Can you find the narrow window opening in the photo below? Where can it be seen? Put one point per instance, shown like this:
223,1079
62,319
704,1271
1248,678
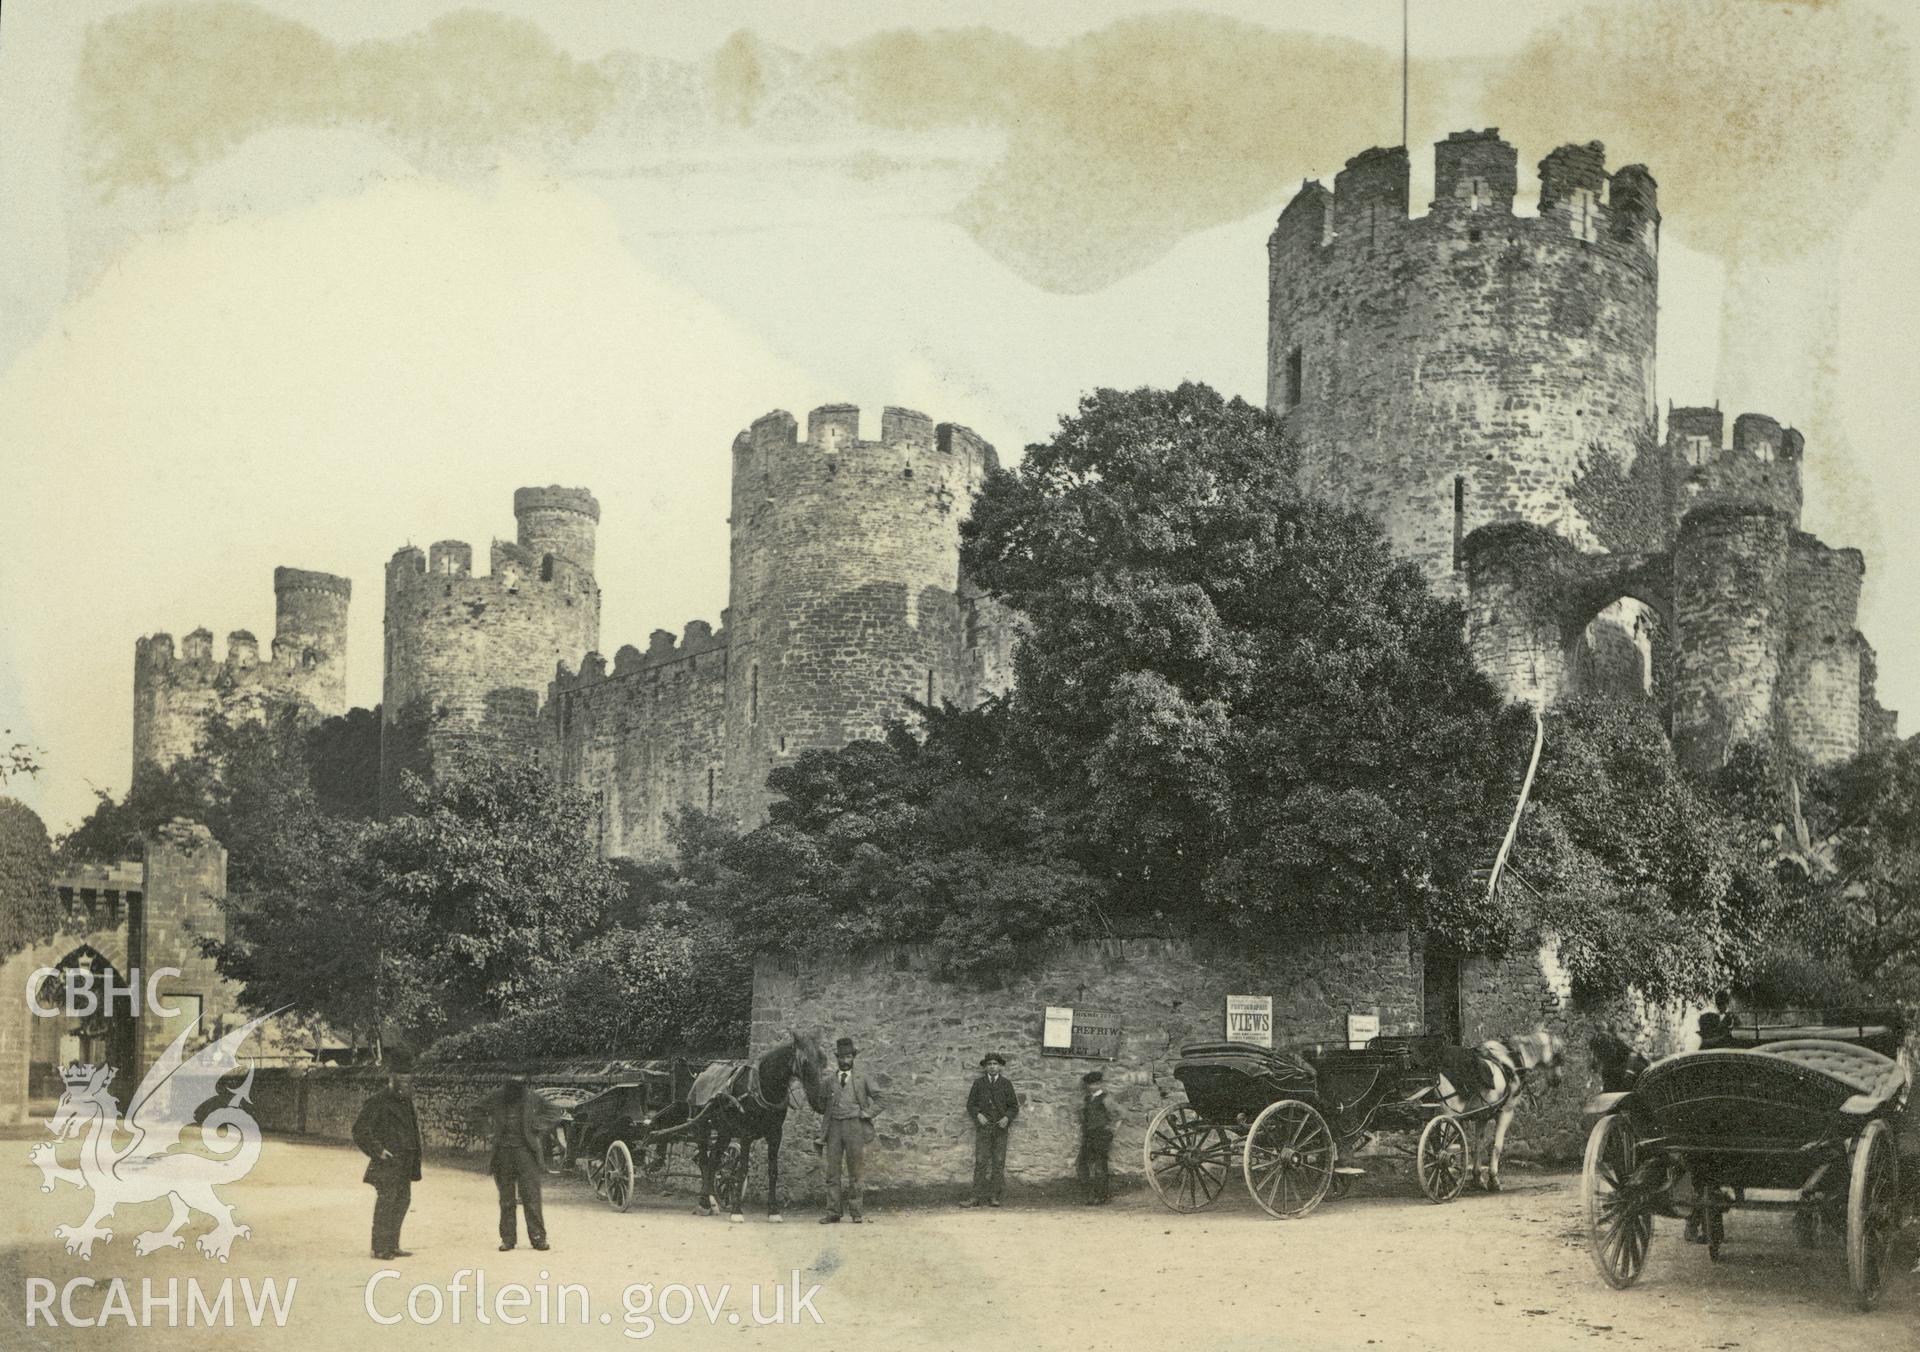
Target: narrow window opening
546,569
1459,517
709,790
929,687
753,693
1294,380
783,744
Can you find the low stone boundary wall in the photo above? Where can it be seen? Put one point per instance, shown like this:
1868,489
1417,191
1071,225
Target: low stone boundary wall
323,1101
921,1040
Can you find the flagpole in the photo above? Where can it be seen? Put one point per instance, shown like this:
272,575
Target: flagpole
1403,71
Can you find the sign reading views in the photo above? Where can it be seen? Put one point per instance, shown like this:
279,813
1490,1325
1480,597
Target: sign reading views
1250,1019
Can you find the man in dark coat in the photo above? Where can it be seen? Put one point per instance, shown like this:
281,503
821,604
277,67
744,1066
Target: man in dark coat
388,1133
992,1105
1098,1117
517,1123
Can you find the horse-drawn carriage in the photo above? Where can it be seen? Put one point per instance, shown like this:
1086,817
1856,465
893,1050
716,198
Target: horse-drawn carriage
616,1136
1295,1119
1801,1116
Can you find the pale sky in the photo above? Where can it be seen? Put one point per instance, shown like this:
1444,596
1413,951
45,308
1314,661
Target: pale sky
295,284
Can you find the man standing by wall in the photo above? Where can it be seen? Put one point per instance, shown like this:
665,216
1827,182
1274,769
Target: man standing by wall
388,1133
1098,1117
517,1121
992,1105
845,1130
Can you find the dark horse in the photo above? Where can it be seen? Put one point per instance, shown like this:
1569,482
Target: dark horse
742,1102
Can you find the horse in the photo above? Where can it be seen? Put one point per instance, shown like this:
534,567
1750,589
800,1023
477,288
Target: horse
1490,1080
1618,1062
742,1102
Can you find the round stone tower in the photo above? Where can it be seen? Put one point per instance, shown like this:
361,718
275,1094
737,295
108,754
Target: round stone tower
468,658
1451,370
1730,599
310,631
846,596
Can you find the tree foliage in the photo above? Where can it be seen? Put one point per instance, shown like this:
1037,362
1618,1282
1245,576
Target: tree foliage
29,909
467,908
660,989
1642,875
1232,708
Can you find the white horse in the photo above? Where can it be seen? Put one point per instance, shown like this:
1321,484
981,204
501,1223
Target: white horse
1488,1082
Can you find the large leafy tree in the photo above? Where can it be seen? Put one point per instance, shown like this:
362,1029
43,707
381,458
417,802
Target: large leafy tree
1254,712
469,907
1232,708
1644,877
29,910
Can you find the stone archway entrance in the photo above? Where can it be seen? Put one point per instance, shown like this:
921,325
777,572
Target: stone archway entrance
91,1038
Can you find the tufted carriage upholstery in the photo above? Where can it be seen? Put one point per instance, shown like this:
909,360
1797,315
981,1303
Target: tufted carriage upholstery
1873,1077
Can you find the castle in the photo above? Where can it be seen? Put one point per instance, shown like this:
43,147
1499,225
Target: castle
176,696
1480,381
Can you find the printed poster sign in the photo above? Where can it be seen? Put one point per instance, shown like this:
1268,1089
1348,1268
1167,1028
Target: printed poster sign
1250,1019
1362,1029
1086,1033
1056,1034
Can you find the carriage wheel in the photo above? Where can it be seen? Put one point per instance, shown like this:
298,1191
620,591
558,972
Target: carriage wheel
1187,1158
617,1183
1619,1219
1289,1159
553,1151
1441,1159
1871,1203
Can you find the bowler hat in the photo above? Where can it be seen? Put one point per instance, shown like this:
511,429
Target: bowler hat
993,1059
844,1044
1092,1077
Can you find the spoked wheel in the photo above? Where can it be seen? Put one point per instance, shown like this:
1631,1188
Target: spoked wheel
553,1151
1187,1158
1441,1160
1872,1201
1289,1158
617,1181
1619,1216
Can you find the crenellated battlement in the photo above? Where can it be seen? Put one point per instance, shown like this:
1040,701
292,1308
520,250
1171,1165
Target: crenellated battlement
834,430
1759,469
179,693
664,649
156,653
1476,182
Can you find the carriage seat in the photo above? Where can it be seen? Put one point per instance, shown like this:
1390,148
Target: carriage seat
1874,1078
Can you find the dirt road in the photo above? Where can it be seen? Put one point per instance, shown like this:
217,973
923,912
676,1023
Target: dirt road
1381,1269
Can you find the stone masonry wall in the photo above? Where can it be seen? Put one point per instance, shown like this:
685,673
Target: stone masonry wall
177,696
648,739
186,879
1820,681
1528,990
471,656
1728,612
1451,370
845,594
921,1039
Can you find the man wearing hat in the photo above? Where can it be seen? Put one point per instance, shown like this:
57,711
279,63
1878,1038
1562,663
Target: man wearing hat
1098,1117
992,1106
845,1131
388,1133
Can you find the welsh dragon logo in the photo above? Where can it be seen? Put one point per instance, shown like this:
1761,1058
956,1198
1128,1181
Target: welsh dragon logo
155,1163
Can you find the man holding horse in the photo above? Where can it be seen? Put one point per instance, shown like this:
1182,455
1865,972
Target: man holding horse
846,1128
